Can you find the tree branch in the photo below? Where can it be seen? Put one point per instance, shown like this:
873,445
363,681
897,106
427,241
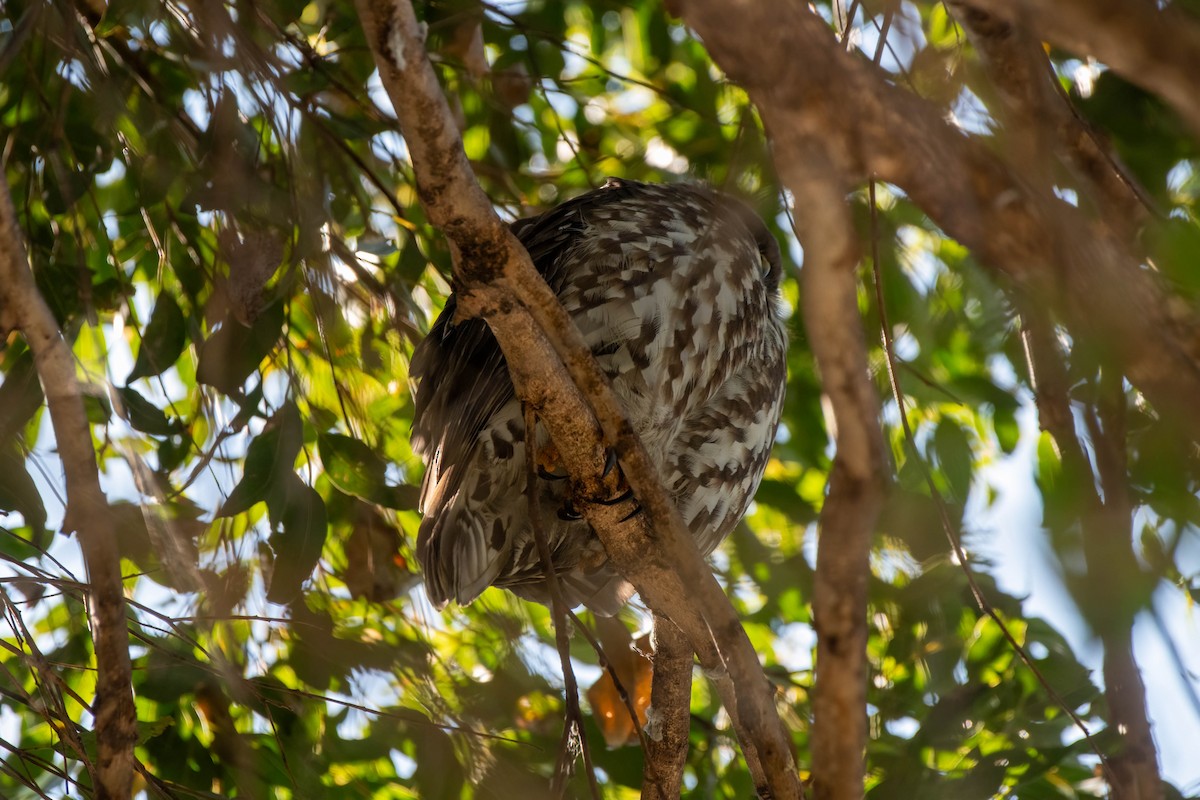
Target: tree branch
809,90
22,305
1040,120
668,721
818,177
554,371
1153,45
856,483
1132,770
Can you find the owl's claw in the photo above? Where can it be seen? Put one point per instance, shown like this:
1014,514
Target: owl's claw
567,512
547,475
621,498
610,461
625,491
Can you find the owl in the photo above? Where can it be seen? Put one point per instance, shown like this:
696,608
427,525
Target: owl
675,289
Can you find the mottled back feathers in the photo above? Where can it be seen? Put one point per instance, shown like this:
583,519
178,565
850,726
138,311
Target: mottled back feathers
674,288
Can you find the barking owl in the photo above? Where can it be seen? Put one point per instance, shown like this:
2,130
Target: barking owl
674,288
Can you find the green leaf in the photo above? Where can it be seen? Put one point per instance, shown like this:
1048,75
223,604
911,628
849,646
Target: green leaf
173,451
144,416
162,341
351,465
228,356
400,498
20,395
1008,432
1049,462
954,457
97,406
269,461
18,492
298,512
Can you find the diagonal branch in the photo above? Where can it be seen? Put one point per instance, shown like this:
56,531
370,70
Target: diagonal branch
808,89
1040,120
22,306
554,372
1154,45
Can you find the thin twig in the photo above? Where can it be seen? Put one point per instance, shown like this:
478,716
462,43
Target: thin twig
87,514
607,665
960,554
573,724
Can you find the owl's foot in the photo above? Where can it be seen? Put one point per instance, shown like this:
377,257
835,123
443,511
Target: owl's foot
624,490
549,467
547,475
623,493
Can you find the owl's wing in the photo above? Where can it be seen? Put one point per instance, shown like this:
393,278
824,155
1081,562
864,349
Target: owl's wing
461,376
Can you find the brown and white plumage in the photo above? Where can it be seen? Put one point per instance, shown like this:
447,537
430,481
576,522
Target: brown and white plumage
674,290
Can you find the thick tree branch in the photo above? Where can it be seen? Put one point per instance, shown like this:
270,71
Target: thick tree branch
1040,120
22,305
554,371
809,89
1133,767
1154,45
856,483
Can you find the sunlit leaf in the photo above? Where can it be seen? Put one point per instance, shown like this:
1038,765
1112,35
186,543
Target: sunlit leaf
351,465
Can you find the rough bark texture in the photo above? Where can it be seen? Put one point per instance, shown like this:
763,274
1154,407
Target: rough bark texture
22,306
670,723
809,89
554,372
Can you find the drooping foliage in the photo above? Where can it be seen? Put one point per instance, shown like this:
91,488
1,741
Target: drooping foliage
222,218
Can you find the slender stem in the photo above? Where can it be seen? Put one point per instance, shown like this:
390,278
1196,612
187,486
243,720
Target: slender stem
22,306
573,724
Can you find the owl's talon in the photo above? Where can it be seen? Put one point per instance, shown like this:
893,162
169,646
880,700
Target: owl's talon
547,475
621,498
610,461
567,513
637,509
